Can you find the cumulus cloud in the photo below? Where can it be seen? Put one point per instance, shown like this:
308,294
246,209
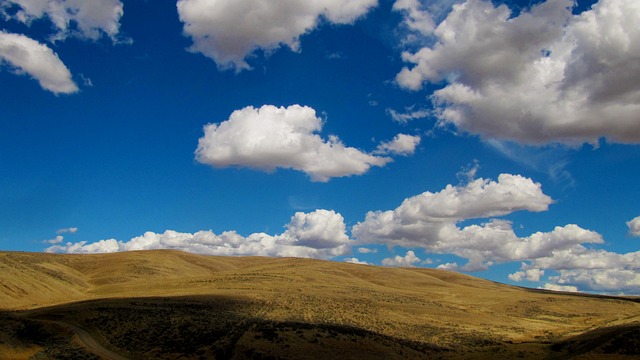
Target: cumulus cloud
57,240
401,144
228,31
270,137
452,266
89,19
592,269
27,56
416,16
544,76
408,260
611,280
429,221
528,274
634,226
319,234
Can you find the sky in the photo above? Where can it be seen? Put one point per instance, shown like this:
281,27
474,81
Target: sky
495,138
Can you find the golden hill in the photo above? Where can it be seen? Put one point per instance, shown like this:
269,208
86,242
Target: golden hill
170,304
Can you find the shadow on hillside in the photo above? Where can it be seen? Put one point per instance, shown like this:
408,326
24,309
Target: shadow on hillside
197,327
623,340
218,327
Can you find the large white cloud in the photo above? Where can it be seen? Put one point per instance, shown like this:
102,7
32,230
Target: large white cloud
27,56
277,137
634,226
429,221
90,19
228,31
319,234
544,76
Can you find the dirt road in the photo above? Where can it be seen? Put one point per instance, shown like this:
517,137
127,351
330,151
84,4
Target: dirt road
91,344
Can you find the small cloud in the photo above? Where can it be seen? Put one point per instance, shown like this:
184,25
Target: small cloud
71,230
556,287
409,114
448,266
401,144
408,260
86,81
57,240
356,261
529,275
469,172
364,250
334,56
634,227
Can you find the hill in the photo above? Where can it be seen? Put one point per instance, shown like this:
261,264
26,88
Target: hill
169,304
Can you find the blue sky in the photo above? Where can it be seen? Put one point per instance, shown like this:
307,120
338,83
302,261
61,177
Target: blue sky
495,138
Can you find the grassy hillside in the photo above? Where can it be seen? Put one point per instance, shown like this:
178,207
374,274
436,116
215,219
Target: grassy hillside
168,304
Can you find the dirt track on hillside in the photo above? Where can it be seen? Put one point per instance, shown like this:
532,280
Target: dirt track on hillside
90,343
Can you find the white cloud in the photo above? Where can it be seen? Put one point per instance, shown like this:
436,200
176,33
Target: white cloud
228,31
401,144
528,274
449,266
602,280
364,250
541,77
319,234
479,198
270,137
634,226
556,287
356,261
70,230
579,257
57,240
590,269
91,18
408,115
408,260
429,221
416,17
27,56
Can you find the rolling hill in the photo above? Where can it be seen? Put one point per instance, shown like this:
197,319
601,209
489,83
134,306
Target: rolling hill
170,304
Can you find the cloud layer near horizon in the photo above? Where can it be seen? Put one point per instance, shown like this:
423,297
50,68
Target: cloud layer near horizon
319,234
229,31
544,76
427,221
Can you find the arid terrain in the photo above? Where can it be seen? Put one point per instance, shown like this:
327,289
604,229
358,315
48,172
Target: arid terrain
169,305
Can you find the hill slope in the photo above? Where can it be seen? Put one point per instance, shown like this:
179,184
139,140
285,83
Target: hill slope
154,304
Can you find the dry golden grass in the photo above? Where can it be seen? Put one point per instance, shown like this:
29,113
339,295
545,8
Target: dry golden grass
166,304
